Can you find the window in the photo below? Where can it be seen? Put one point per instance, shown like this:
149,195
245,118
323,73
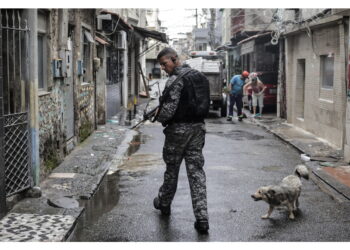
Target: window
300,88
41,64
87,39
327,71
42,50
202,47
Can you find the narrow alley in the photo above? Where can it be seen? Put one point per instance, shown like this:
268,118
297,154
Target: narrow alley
236,164
81,159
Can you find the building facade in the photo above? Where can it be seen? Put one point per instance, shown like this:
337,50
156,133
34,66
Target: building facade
75,69
153,46
316,74
246,40
311,50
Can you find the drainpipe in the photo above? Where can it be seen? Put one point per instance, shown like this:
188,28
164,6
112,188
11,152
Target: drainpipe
346,116
281,97
125,77
33,94
94,72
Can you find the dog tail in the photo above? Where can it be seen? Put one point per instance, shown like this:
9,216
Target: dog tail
302,171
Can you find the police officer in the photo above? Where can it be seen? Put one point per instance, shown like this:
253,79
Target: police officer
184,134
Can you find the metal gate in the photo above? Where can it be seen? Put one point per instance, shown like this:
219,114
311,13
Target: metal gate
15,100
2,166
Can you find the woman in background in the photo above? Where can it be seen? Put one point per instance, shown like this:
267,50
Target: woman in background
258,89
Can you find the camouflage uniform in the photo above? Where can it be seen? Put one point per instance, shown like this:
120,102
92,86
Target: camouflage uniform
182,140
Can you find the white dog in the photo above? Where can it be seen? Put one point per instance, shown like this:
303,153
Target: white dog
285,194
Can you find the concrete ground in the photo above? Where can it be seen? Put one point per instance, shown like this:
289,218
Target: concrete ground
324,160
53,216
239,157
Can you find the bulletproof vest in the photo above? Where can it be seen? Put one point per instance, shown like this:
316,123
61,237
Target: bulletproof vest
194,100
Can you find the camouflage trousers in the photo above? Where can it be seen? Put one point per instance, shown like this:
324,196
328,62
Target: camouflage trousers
185,141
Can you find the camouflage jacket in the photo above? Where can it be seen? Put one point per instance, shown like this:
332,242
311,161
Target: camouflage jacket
185,99
170,103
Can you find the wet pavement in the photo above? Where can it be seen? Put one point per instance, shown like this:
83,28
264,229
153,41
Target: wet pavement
115,175
325,161
67,191
236,165
66,194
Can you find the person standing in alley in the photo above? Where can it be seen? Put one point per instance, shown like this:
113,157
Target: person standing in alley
258,89
183,106
236,94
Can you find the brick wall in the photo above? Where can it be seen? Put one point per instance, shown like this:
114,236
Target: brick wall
86,109
323,108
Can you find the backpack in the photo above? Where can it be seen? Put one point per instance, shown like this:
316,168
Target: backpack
195,98
199,97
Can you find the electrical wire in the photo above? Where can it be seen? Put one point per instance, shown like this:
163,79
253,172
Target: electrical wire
115,28
247,15
278,19
281,25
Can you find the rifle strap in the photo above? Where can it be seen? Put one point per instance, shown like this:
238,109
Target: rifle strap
167,89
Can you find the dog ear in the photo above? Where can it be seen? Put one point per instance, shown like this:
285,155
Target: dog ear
271,193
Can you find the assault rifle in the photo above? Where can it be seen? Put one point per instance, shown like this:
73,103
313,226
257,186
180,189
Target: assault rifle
151,115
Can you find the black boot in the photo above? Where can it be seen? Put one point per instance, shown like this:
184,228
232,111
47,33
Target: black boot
164,210
201,226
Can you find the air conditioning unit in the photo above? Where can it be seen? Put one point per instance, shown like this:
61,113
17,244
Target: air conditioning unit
121,43
104,21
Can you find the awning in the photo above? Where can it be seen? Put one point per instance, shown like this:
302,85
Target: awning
121,21
226,46
253,37
89,36
101,41
151,33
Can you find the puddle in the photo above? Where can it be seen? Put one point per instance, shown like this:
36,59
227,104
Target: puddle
103,201
108,193
136,143
238,135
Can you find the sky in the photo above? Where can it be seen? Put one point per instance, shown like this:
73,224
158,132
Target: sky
180,18
176,15
178,21
179,4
